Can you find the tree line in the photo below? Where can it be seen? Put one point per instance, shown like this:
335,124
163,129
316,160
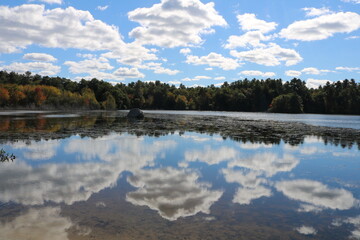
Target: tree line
274,95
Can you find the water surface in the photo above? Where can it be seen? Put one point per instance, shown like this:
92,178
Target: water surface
89,176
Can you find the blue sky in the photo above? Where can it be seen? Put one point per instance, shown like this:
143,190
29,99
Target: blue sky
193,42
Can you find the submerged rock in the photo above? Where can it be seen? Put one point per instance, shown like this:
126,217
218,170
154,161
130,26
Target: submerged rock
135,113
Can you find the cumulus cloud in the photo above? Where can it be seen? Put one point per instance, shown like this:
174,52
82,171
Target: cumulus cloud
172,193
30,24
248,21
249,39
267,162
272,55
185,51
306,230
42,68
322,27
174,23
40,57
315,83
293,73
42,224
317,194
89,65
214,60
196,78
210,155
158,68
220,78
314,71
257,73
128,73
313,12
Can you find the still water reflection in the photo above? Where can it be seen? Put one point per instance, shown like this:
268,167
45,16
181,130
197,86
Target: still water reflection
108,183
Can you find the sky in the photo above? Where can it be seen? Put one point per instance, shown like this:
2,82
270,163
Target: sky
193,42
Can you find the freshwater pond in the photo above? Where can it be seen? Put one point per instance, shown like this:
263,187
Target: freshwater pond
100,176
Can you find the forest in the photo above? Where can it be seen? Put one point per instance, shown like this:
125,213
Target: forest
27,91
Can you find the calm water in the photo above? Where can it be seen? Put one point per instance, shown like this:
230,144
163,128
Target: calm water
341,121
75,177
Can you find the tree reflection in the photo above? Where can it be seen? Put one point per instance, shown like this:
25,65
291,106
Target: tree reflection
96,124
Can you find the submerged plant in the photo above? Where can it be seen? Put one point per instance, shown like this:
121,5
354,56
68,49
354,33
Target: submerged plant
6,157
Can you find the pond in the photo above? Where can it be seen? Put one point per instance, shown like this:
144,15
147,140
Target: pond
98,175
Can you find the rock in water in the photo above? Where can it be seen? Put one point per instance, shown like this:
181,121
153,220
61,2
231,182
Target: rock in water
135,113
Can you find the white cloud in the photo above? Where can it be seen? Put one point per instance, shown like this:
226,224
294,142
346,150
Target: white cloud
248,21
89,65
185,51
209,69
349,69
219,78
249,39
102,8
313,12
308,71
211,156
96,67
314,71
214,60
197,78
49,1
158,68
40,57
352,37
42,224
257,73
31,24
174,23
174,82
42,68
172,193
306,230
317,194
293,73
272,55
128,73
352,1
322,27
315,83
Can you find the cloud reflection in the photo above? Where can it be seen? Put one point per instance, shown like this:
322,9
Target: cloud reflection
69,183
211,156
268,162
251,185
40,224
171,192
316,194
42,150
